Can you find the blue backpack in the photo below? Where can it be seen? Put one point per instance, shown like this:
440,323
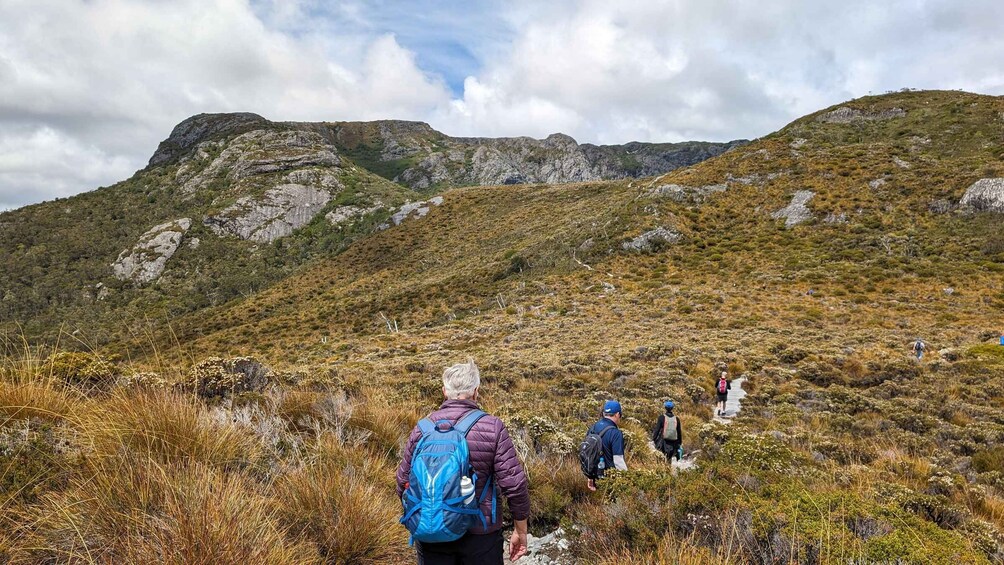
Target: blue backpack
434,509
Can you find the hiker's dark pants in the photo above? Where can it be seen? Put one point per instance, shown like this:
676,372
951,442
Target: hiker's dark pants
472,549
672,449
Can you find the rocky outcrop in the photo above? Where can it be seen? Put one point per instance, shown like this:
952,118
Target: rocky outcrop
146,260
346,214
652,239
797,210
985,195
199,129
522,160
412,209
845,115
276,214
686,194
435,160
254,153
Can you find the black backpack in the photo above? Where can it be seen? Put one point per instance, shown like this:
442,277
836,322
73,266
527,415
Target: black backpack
590,451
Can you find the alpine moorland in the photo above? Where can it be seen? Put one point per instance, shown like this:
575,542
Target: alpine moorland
219,359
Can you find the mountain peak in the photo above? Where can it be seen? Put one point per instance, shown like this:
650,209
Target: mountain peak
200,127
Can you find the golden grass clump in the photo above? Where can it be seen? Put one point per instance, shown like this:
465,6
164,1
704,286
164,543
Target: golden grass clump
43,399
166,427
134,510
344,504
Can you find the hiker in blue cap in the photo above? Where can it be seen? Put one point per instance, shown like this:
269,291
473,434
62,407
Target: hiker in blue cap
667,435
603,446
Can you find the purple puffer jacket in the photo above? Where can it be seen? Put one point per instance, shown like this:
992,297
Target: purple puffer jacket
492,453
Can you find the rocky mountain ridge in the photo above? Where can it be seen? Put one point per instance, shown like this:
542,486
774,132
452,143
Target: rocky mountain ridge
419,157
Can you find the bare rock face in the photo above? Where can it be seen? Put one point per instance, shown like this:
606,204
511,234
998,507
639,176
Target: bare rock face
346,214
276,214
845,115
146,260
797,210
412,209
254,153
199,129
521,160
652,239
434,169
691,194
985,195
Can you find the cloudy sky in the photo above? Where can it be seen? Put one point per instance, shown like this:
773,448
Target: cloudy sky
89,87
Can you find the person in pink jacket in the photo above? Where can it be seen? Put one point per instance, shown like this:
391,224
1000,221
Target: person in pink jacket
491,455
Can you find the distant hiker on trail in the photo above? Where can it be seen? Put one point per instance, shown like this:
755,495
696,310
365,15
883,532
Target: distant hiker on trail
918,348
667,434
455,464
722,388
603,446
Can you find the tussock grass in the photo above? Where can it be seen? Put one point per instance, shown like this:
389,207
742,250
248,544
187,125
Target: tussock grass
132,509
44,399
166,427
339,503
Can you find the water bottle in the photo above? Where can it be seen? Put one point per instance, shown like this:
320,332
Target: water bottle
467,490
602,465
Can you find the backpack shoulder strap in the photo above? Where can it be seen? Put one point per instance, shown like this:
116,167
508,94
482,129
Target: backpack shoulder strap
426,426
467,422
605,430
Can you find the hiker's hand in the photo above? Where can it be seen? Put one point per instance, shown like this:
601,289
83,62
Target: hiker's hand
591,485
517,543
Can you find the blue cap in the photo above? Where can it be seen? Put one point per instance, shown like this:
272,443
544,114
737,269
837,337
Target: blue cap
611,407
669,404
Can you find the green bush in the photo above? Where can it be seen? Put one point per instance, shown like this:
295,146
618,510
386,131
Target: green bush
217,377
83,369
987,460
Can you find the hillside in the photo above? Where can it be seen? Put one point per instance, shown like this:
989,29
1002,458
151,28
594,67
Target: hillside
240,211
806,261
231,203
883,207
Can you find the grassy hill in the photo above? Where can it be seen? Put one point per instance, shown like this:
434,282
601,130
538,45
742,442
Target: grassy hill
56,257
847,450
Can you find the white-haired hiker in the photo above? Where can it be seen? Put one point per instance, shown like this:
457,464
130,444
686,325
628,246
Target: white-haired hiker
456,463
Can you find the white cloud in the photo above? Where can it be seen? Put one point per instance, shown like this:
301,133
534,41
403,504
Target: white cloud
88,88
43,164
673,70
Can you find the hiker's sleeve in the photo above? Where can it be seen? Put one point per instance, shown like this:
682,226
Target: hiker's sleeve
404,469
619,463
510,476
679,430
656,430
